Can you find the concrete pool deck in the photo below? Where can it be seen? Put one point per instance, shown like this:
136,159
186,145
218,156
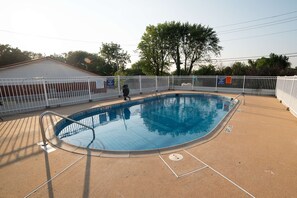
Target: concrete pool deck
257,158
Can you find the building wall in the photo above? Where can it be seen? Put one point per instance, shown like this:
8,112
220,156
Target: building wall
45,68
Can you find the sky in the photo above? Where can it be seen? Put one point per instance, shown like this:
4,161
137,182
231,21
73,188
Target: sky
246,28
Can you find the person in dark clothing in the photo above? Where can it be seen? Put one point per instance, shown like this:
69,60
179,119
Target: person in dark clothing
126,92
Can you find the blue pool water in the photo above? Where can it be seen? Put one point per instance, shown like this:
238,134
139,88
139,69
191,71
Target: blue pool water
148,124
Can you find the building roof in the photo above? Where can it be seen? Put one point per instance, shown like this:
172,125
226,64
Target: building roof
26,63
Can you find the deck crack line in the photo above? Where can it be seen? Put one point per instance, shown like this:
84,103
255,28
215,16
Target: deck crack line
232,182
43,184
168,166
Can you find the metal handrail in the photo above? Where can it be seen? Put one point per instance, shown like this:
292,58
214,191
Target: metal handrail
59,115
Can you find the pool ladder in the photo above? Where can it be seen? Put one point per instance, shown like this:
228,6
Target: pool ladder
59,115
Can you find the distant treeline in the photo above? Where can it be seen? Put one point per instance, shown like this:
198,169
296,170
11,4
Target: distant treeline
112,60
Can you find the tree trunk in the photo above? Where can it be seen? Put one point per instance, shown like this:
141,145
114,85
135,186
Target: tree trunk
191,67
177,61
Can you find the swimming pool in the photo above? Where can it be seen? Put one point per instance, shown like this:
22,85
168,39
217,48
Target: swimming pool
149,124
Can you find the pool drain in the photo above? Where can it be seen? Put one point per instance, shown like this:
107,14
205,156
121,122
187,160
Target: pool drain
175,157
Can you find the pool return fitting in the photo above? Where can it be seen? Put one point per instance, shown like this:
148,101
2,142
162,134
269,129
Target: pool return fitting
241,94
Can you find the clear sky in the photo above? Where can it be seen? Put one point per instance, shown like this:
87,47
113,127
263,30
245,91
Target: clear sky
57,26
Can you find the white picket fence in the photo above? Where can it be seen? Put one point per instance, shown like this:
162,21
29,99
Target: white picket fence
286,92
19,95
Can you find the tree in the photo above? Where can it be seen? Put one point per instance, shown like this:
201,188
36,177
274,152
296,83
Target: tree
252,68
273,66
114,56
153,50
239,69
10,55
185,44
206,70
174,32
197,43
98,65
139,68
225,71
89,62
59,57
33,55
78,59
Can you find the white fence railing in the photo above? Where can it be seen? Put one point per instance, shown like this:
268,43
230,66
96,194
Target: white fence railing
286,92
23,95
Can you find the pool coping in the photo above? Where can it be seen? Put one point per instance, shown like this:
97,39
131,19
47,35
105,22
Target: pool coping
56,142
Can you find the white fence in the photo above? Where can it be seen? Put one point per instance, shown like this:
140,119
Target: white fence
23,95
286,92
256,85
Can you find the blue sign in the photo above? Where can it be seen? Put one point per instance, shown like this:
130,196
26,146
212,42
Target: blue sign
221,80
110,82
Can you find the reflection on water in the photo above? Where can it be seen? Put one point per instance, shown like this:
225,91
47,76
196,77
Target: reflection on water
156,124
127,113
178,116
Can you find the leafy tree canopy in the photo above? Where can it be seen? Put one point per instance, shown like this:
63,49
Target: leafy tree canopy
10,55
181,43
272,66
154,50
206,70
114,56
89,62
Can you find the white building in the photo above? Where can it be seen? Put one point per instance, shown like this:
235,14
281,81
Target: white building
47,79
44,67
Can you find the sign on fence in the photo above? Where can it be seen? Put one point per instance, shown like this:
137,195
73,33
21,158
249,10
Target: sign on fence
99,84
221,80
228,80
110,82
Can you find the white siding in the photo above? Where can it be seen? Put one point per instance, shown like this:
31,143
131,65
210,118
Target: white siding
45,68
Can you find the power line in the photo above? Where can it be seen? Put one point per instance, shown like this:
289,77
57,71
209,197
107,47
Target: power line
293,54
272,23
259,19
252,57
261,35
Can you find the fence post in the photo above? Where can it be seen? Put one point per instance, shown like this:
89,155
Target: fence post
90,95
168,82
277,87
119,86
193,82
216,83
291,91
140,85
283,88
45,93
243,85
172,82
156,83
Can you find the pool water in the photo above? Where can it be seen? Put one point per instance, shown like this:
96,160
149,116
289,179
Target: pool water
148,124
